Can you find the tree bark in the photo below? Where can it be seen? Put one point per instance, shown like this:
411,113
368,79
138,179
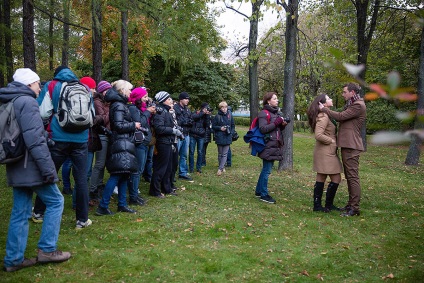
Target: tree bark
65,46
124,45
2,55
96,14
413,156
292,13
253,60
28,34
364,42
8,41
51,47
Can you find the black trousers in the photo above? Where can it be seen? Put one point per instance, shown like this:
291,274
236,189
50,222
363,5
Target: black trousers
162,170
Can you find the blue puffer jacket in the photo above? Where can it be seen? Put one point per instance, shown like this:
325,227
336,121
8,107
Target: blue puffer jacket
37,166
121,150
57,133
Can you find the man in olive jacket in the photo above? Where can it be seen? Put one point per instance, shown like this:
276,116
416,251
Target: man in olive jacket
349,139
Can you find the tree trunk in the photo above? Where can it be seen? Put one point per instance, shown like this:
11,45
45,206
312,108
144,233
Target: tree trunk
65,46
96,14
124,45
413,156
253,61
51,22
2,55
364,42
292,13
28,34
8,41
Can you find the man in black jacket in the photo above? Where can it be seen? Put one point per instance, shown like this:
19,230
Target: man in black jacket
201,120
185,122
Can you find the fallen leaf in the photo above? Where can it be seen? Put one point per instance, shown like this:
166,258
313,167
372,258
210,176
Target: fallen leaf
319,277
249,224
304,272
139,220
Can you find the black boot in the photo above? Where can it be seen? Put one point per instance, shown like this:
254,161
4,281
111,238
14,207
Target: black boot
329,197
318,190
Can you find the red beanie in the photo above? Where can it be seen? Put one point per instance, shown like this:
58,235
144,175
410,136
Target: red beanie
88,82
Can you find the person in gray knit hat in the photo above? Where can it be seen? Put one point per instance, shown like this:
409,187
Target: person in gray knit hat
167,134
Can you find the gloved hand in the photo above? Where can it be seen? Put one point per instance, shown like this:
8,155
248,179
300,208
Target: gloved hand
177,132
278,121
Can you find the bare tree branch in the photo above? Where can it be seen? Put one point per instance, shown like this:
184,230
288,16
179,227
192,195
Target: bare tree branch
59,19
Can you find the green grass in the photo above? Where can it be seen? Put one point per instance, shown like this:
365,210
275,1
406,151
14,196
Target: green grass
215,230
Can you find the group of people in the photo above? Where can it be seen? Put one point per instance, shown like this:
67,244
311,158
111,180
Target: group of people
131,135
329,137
134,137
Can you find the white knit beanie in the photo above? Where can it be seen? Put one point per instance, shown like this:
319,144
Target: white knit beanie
162,96
25,76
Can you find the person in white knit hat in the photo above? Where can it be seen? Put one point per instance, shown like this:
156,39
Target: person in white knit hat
35,173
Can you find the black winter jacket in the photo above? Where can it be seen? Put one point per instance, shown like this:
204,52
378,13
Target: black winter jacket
184,118
163,124
143,117
223,119
200,122
37,166
121,151
274,136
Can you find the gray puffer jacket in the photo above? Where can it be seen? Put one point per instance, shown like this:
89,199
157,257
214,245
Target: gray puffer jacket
37,167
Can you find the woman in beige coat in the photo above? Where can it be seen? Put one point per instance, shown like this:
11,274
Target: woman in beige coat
326,162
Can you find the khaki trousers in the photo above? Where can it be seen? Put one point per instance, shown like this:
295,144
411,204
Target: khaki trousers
350,159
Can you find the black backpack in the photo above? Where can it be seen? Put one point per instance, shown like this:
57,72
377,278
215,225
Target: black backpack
12,146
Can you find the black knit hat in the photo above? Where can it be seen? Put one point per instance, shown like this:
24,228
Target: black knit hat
58,69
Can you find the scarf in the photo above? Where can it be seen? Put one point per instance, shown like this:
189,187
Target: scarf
351,100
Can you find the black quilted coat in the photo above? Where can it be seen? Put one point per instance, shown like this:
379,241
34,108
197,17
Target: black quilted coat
121,151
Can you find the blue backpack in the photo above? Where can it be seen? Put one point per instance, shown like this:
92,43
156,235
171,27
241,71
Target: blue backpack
254,137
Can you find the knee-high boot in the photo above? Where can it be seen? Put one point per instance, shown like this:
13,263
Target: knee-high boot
329,197
318,190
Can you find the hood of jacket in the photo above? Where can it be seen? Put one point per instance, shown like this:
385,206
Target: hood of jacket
14,89
112,95
66,75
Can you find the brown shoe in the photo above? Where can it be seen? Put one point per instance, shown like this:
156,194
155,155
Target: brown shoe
26,263
55,256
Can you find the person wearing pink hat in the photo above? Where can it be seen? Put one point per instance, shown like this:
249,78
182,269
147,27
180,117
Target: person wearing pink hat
136,102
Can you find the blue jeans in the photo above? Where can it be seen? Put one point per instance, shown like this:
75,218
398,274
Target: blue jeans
262,185
229,157
18,226
134,181
200,142
183,151
90,158
147,173
66,174
119,180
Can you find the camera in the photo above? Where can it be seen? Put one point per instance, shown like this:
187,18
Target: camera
181,130
286,119
227,129
209,109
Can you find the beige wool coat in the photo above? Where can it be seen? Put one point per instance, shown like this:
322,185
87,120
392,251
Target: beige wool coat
326,160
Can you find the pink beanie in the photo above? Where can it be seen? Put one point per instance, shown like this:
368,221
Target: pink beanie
137,93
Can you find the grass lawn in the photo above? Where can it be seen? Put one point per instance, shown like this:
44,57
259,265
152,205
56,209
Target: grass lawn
215,230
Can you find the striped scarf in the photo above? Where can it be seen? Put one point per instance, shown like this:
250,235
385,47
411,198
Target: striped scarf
351,100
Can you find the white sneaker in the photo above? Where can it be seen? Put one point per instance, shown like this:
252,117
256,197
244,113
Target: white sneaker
81,225
115,190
